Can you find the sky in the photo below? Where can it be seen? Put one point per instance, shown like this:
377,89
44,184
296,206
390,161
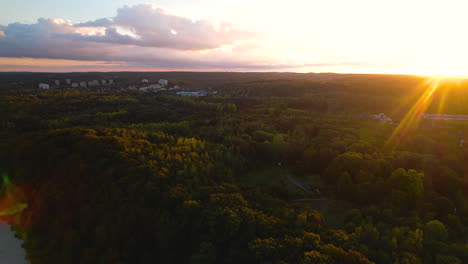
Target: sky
360,36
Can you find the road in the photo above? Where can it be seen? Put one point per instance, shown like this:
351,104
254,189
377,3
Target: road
298,183
305,188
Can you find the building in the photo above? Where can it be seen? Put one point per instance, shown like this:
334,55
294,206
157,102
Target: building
194,93
155,86
446,117
104,82
82,84
163,82
144,81
44,86
57,83
74,85
93,83
111,82
383,118
68,81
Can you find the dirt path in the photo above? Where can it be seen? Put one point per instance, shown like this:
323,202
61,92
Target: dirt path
305,188
298,183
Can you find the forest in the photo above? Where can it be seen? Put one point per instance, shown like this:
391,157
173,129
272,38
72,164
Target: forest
276,168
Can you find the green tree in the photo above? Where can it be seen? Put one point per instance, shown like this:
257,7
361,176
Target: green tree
315,257
345,187
435,231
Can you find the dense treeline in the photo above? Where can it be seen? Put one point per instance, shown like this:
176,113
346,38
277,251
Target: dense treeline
143,178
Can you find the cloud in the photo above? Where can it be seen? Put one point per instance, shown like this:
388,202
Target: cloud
102,22
110,36
58,39
155,27
140,37
41,40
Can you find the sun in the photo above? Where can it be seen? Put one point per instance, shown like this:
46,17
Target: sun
436,89
448,65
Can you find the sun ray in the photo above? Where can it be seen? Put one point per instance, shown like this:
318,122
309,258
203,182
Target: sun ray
442,101
11,199
413,118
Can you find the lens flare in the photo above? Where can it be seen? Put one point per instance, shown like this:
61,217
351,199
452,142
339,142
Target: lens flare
11,198
412,119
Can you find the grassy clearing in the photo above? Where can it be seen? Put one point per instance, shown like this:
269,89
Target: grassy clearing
272,175
269,174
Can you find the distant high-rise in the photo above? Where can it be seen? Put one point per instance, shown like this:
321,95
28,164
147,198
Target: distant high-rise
104,82
44,86
82,84
74,85
163,82
68,81
111,81
93,83
57,83
144,81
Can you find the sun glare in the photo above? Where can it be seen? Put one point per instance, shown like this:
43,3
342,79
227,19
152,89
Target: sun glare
412,119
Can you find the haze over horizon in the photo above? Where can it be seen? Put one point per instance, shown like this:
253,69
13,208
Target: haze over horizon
363,36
